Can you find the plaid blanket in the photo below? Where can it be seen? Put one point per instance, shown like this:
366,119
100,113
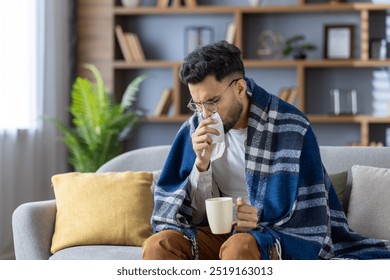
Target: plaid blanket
298,208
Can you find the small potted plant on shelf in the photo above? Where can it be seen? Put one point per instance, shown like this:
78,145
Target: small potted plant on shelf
297,47
99,123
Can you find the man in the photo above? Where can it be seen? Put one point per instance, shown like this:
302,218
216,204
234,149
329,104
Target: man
269,162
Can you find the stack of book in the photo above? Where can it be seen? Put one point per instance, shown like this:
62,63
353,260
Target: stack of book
164,103
130,45
380,92
176,3
289,94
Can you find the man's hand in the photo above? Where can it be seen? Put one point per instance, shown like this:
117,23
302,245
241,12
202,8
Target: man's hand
246,216
202,143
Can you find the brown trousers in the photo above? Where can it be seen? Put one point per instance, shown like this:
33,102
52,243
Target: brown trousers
172,245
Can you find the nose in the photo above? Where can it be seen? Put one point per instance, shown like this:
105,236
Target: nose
206,113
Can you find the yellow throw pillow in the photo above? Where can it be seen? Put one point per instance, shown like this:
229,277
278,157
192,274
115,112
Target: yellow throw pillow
112,208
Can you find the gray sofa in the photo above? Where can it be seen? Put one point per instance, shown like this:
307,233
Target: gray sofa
33,223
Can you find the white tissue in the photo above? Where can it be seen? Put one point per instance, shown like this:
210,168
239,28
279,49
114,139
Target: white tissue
218,140
218,151
218,126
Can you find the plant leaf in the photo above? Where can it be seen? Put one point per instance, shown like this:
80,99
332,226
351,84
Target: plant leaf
101,88
295,39
308,47
130,93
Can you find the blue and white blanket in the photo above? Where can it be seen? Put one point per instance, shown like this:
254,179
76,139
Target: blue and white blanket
286,181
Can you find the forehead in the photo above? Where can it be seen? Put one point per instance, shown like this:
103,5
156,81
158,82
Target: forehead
206,90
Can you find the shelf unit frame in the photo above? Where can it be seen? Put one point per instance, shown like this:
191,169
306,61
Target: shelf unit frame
110,10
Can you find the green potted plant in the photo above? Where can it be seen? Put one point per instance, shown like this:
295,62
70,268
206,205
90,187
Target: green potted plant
296,46
99,124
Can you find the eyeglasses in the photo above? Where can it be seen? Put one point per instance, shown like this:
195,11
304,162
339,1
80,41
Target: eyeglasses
209,106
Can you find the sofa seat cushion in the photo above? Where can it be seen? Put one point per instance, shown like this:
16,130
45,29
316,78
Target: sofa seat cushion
111,208
99,252
369,207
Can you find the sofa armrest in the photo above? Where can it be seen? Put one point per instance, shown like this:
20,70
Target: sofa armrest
33,228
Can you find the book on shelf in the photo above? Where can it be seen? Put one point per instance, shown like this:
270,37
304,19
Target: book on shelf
164,102
284,94
135,47
381,84
230,33
289,94
175,3
162,3
129,45
292,96
190,3
380,93
120,35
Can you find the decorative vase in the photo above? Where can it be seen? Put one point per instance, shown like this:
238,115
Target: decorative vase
130,3
255,2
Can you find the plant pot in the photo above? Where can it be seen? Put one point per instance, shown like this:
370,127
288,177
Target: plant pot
300,55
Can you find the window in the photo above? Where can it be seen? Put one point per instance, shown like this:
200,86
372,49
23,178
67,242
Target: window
18,64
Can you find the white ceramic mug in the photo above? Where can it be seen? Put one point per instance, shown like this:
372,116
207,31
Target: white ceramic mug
220,214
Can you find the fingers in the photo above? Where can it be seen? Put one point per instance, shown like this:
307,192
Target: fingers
246,216
240,201
202,131
203,144
250,215
242,226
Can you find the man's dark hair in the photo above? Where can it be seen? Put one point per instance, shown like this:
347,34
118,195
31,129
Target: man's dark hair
220,59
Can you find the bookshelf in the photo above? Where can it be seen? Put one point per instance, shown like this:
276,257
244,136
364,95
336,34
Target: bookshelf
165,61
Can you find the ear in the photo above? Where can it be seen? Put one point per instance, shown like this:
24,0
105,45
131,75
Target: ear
241,86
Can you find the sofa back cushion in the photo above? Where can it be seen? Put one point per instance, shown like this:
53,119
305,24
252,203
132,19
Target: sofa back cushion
369,207
143,159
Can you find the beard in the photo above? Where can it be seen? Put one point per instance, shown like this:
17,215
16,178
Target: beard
233,116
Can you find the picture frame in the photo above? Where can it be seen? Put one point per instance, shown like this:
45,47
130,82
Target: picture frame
339,41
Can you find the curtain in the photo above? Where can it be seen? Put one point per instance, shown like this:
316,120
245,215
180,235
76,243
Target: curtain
30,150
